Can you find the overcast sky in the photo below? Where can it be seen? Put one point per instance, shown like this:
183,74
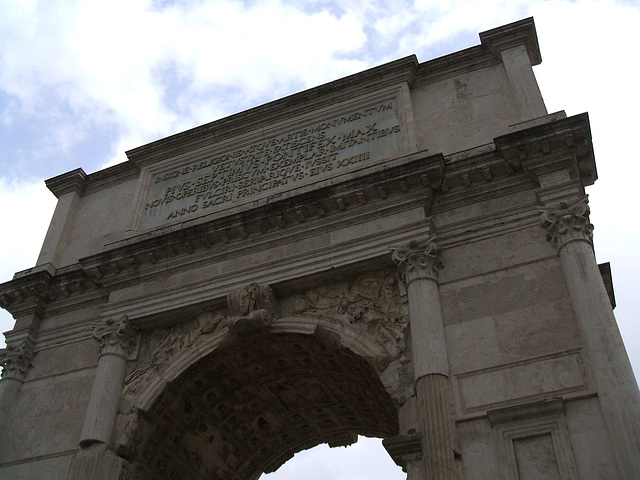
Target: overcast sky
83,81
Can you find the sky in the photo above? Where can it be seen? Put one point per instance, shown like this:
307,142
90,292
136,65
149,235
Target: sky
83,81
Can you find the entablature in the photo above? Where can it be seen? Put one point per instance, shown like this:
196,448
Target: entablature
433,183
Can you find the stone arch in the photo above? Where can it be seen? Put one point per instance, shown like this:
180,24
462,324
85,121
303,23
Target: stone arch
145,385
236,406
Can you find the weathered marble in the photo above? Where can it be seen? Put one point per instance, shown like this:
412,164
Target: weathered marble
405,253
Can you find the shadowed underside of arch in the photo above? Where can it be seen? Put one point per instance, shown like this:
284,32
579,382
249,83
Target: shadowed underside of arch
252,404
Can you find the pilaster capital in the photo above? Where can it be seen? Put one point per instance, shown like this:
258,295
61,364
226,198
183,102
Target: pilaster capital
116,337
568,222
16,361
415,261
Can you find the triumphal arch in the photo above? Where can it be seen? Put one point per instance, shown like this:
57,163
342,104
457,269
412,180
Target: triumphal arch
404,253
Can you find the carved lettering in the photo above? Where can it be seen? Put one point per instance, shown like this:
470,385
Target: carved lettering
273,165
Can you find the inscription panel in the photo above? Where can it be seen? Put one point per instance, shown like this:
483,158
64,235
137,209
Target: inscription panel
300,156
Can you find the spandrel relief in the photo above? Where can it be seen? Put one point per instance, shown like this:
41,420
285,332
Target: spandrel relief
371,302
162,347
167,343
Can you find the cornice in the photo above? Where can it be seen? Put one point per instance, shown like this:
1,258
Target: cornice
32,289
564,143
73,181
522,32
280,222
453,64
108,177
81,183
411,171
406,70
28,291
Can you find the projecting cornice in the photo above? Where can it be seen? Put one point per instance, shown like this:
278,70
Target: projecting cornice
518,33
72,181
547,148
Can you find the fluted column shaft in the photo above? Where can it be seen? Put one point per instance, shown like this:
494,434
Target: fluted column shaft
117,340
417,272
569,227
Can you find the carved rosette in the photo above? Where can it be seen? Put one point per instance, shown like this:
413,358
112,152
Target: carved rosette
418,260
116,337
16,361
567,222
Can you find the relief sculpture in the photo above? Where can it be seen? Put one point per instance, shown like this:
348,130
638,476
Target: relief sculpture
251,307
164,345
371,302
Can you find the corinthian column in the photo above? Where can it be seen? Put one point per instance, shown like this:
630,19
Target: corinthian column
117,340
15,362
417,272
569,227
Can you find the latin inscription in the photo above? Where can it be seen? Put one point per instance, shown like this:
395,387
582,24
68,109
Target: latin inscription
299,157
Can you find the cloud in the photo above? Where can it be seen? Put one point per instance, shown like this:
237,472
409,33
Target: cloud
27,207
155,71
587,66
364,460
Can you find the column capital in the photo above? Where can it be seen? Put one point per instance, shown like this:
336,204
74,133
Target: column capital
419,259
568,222
116,337
16,361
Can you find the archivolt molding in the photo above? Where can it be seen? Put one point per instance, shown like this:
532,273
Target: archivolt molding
168,347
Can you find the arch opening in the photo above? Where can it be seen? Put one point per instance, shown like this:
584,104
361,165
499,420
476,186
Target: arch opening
366,459
249,406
